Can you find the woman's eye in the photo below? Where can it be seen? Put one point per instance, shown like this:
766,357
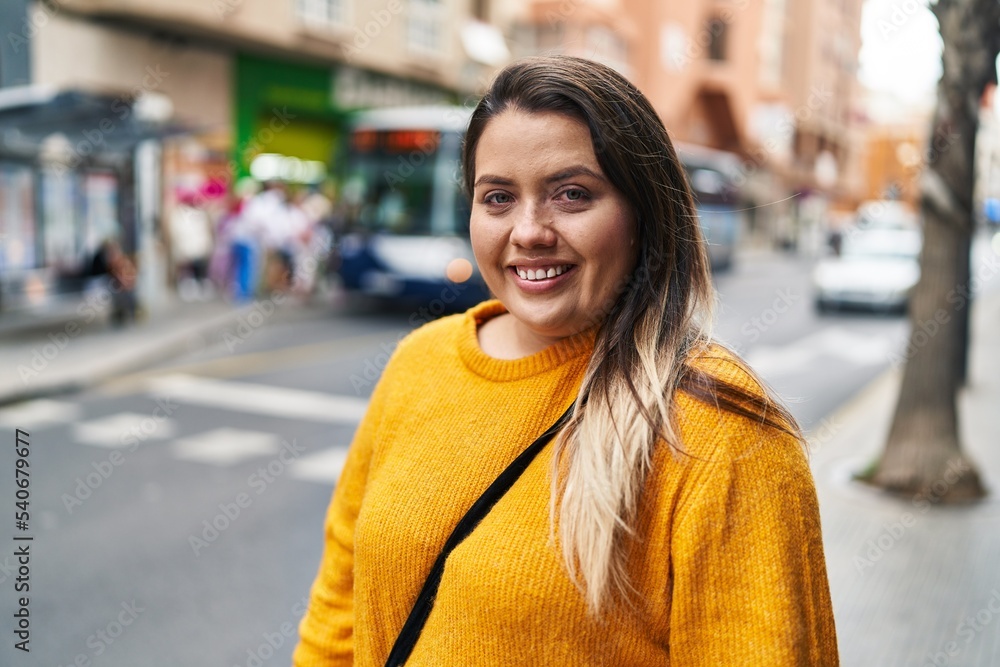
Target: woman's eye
575,194
497,198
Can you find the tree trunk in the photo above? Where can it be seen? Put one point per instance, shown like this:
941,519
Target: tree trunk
962,315
923,454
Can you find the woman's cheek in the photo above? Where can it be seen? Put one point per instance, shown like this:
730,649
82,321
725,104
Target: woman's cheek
483,248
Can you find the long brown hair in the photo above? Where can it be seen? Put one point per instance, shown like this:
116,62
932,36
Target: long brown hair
648,334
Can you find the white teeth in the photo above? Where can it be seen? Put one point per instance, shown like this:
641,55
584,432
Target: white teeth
541,274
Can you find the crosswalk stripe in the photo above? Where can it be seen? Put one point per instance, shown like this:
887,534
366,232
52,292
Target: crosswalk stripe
323,467
38,413
260,399
799,356
123,429
225,446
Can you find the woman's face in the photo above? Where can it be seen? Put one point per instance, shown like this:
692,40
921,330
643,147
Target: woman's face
554,239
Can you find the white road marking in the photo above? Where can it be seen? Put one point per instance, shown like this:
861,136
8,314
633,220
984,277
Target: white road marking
226,446
123,429
38,414
261,399
323,467
836,342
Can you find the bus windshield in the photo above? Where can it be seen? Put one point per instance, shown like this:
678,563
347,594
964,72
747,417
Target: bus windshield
403,182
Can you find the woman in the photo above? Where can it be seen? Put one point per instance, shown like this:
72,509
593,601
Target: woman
673,521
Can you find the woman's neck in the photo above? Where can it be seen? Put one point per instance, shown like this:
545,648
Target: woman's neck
502,337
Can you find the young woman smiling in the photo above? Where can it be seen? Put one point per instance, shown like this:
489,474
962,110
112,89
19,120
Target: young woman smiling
673,519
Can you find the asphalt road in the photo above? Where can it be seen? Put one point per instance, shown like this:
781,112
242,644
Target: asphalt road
179,512
815,362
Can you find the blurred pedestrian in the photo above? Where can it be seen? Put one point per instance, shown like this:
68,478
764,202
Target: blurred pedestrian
269,218
672,520
191,246
313,237
221,265
244,242
118,273
295,240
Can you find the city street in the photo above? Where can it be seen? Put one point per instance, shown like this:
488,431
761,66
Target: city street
193,196
178,512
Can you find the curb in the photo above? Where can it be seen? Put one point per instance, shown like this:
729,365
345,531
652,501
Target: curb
130,360
860,402
852,412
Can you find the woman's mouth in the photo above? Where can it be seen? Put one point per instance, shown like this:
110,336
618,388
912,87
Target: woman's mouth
540,279
542,273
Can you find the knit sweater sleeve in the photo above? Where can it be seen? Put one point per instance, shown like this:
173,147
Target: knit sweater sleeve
326,632
749,582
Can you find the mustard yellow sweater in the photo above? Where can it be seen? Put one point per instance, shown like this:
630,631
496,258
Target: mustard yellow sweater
729,569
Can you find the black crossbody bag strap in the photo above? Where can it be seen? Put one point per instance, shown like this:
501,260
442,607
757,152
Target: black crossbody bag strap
408,636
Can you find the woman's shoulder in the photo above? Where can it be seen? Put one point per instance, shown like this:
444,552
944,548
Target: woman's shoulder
396,361
434,336
429,332
725,411
427,342
719,362
428,325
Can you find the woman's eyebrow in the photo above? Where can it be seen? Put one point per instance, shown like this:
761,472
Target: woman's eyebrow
575,170
563,174
492,180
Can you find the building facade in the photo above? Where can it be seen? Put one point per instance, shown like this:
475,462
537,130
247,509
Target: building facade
221,89
771,81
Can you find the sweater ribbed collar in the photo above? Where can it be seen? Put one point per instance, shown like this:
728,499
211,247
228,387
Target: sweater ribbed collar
505,370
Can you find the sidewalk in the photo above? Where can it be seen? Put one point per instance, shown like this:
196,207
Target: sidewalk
914,585
66,353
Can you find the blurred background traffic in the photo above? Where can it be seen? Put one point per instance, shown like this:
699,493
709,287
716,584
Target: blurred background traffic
218,218
149,127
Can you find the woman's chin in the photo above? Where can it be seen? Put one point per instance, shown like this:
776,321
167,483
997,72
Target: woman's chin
546,321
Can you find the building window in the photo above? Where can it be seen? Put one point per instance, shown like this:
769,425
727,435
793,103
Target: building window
717,29
426,26
322,13
771,43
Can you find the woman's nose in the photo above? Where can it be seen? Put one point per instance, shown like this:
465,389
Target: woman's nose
532,228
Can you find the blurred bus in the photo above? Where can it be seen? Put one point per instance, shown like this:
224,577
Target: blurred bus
407,221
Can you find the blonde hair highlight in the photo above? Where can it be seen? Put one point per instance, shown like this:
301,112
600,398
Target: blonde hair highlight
604,455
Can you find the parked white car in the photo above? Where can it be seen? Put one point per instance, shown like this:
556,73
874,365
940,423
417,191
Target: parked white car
877,269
